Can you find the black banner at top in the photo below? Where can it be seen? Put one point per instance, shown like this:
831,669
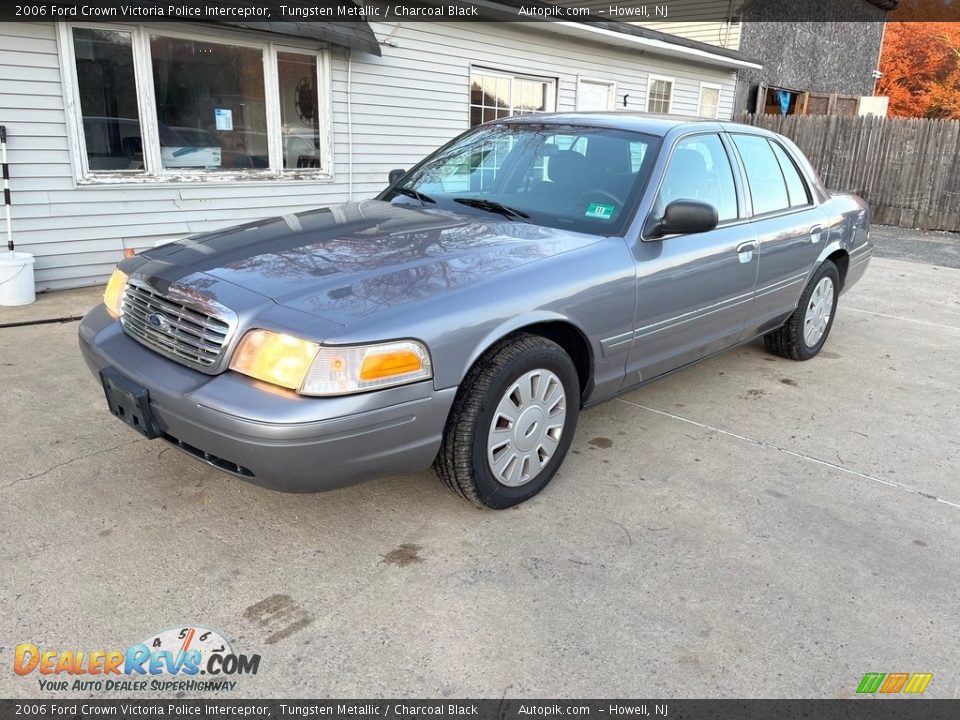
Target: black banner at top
641,11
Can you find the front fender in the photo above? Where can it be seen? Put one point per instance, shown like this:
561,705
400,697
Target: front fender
512,325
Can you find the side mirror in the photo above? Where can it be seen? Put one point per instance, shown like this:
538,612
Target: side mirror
684,217
395,175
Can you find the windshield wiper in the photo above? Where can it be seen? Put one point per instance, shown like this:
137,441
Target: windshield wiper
415,194
492,206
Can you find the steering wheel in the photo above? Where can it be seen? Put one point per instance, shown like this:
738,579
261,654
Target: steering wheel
594,195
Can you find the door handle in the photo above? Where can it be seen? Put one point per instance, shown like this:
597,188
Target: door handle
745,250
815,233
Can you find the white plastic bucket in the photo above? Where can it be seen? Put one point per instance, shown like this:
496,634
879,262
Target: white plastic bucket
16,278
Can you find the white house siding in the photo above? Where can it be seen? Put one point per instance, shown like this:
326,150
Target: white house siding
707,21
402,106
712,32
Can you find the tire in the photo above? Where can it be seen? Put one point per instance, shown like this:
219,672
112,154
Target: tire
791,340
475,457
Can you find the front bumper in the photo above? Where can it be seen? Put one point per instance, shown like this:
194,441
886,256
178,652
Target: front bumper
270,436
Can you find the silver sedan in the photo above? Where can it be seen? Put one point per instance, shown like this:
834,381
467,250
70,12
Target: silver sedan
529,268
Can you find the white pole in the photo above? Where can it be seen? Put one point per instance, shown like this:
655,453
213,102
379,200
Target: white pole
6,185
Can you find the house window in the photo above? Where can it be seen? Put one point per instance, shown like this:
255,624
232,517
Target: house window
108,100
496,95
211,106
709,104
659,95
299,110
166,105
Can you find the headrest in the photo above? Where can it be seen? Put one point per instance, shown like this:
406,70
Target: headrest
566,167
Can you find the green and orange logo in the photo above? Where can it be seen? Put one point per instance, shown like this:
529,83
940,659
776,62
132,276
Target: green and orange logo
893,683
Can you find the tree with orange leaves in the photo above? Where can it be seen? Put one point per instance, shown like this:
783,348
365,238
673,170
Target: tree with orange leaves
920,60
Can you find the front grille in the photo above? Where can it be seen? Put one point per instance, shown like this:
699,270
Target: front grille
168,326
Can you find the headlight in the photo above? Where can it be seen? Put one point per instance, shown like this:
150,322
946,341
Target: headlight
113,295
344,370
275,358
312,369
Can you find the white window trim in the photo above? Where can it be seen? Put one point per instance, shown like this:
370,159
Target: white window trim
611,90
673,88
709,86
153,172
552,84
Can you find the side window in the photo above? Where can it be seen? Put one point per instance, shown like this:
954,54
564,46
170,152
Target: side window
767,187
700,170
796,187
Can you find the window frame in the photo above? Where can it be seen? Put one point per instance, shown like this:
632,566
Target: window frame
744,207
651,78
512,76
709,86
789,210
803,180
153,171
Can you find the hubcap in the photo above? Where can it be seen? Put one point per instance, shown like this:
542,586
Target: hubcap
526,427
818,312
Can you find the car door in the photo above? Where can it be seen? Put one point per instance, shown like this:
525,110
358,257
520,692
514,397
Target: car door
693,290
788,224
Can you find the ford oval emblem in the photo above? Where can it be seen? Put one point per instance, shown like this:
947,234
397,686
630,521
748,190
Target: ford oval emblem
158,321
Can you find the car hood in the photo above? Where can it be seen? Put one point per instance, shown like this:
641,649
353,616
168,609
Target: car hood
345,262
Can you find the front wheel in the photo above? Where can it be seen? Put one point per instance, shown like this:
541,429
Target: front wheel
806,330
511,424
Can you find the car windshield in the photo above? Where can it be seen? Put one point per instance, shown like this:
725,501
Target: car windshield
585,179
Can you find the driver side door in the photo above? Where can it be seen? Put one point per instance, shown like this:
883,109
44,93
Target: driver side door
693,291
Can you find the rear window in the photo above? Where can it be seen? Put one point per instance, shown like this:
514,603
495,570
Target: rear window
768,189
797,192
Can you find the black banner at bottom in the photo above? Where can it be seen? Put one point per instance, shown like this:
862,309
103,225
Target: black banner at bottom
853,709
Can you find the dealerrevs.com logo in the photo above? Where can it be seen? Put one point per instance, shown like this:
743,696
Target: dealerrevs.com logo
185,659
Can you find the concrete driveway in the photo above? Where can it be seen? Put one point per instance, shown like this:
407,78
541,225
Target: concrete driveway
748,527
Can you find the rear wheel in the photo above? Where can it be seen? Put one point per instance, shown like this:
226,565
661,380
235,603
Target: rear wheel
806,330
511,423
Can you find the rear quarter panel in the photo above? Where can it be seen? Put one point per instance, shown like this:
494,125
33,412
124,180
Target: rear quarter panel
847,226
846,222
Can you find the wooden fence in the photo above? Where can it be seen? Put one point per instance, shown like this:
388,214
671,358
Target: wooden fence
907,169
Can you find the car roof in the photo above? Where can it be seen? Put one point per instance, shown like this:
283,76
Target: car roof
649,123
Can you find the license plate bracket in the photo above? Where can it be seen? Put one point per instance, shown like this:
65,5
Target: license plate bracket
129,402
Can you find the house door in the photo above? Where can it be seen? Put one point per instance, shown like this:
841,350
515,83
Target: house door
596,95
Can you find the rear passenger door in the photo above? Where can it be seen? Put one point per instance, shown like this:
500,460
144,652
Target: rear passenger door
788,224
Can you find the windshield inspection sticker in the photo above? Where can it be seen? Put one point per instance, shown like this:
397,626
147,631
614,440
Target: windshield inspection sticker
596,210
